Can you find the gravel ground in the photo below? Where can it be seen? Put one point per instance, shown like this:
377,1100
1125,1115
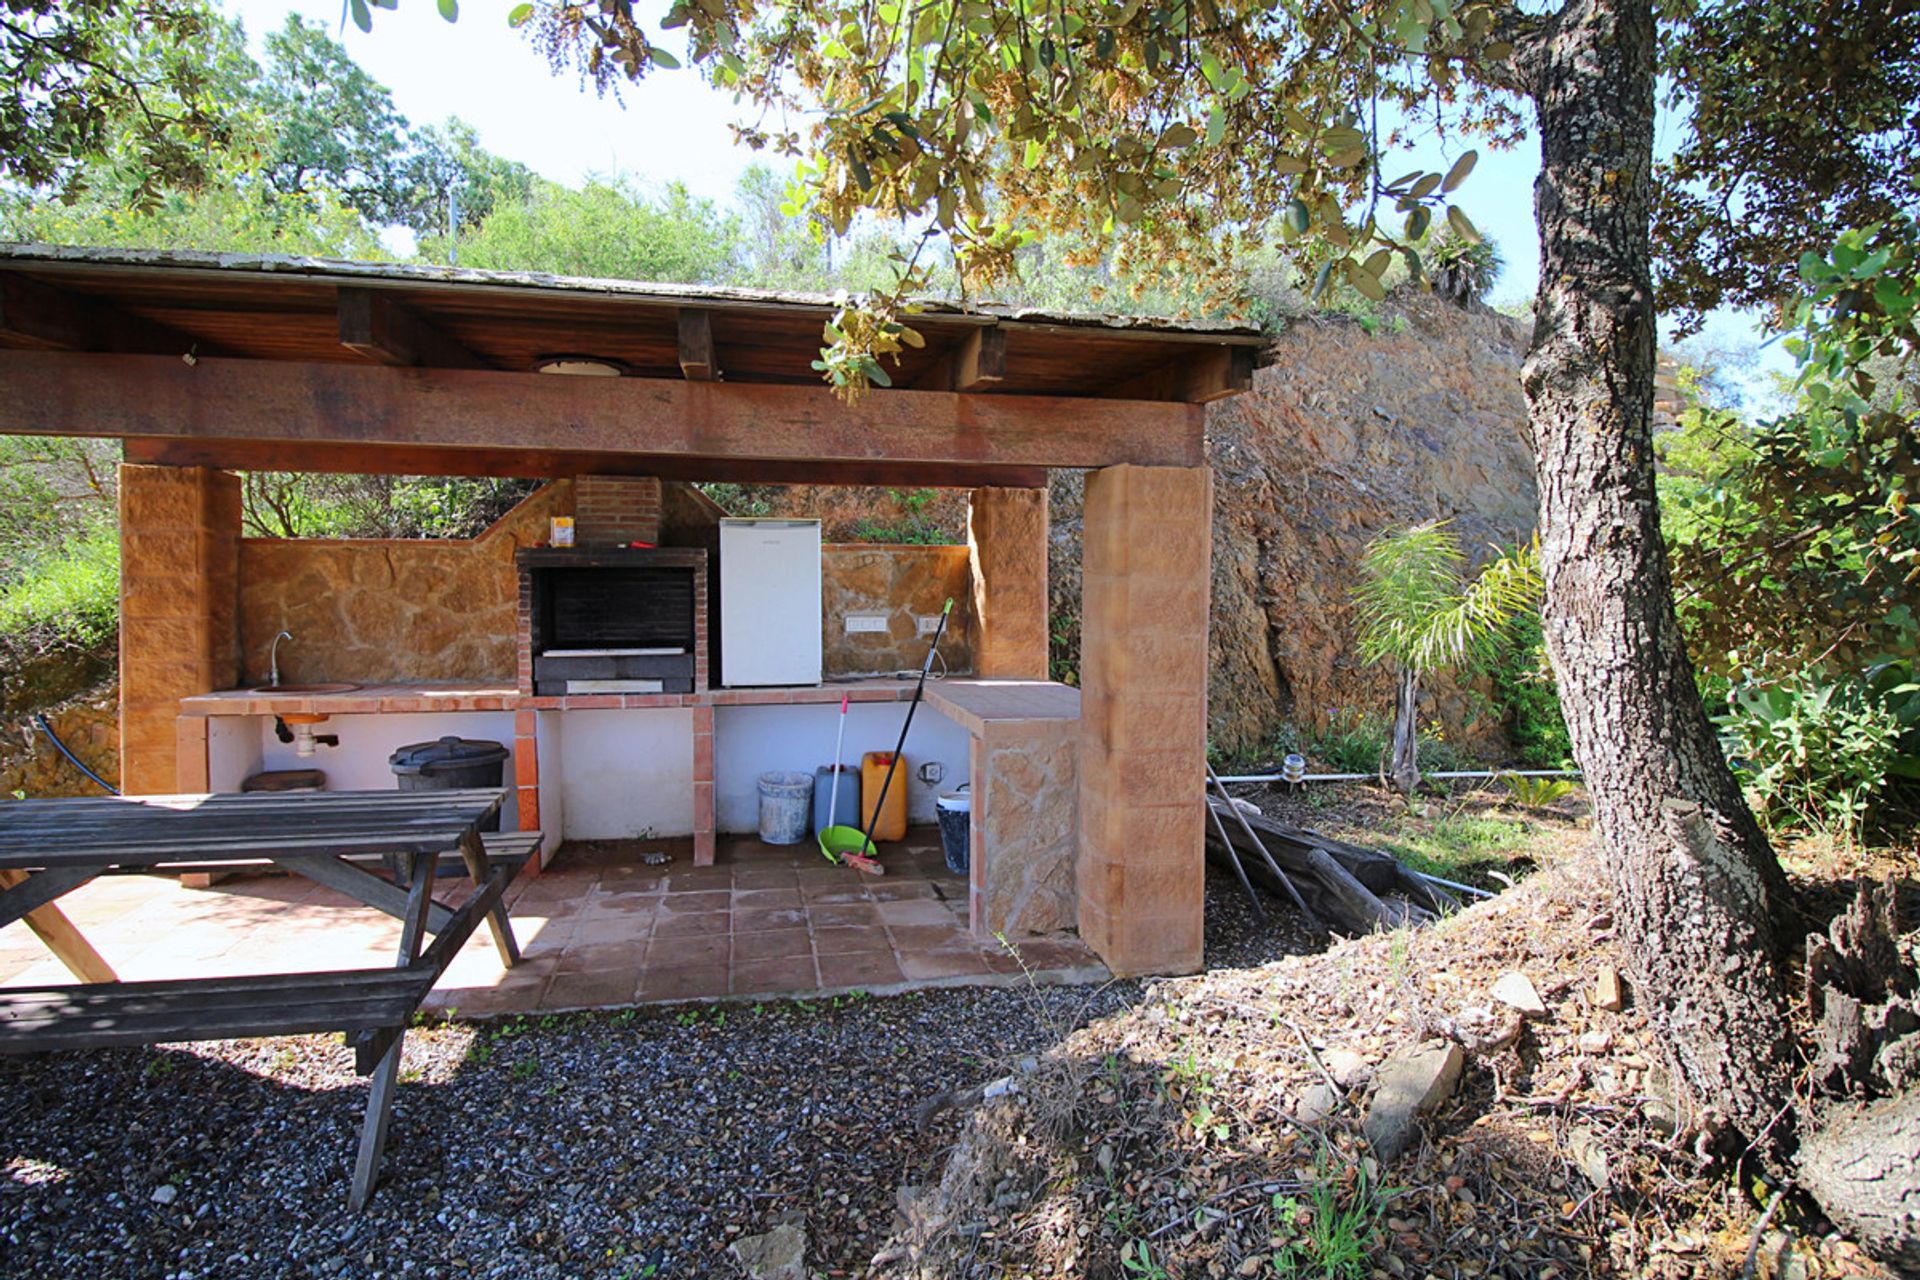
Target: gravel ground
622,1145
588,1145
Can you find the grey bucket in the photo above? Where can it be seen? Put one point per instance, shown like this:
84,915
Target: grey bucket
785,799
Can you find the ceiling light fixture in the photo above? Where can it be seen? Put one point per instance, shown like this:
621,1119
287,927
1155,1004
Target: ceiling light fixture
580,366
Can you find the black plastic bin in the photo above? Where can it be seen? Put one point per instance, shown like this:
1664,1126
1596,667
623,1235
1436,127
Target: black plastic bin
449,764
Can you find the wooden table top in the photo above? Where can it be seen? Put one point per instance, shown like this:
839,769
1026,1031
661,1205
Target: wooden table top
123,831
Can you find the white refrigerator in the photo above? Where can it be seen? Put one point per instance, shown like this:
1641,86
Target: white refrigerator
769,602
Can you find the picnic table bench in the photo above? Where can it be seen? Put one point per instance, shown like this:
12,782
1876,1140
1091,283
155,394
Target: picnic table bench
51,847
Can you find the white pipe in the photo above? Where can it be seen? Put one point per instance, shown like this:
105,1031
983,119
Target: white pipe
1373,777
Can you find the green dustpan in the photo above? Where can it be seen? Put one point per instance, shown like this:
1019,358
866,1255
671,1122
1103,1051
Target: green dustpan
835,841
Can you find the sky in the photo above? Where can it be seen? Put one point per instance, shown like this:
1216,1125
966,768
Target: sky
673,126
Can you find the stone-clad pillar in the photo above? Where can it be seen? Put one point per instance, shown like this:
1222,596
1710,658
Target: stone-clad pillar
1007,540
1146,565
179,570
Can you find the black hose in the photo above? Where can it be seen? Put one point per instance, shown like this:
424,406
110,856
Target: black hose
73,759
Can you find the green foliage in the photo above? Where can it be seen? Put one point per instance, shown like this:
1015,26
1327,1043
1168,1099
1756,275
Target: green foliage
68,597
1526,697
741,499
79,77
1452,844
1416,609
1063,648
610,228
1827,754
1352,743
1537,793
300,505
1766,166
1796,539
915,527
1336,1231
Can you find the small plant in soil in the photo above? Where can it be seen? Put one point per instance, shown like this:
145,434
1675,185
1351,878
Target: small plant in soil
1328,1235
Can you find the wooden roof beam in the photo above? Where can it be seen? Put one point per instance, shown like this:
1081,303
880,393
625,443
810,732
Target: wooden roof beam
977,362
696,345
1208,374
390,333
38,315
536,464
81,394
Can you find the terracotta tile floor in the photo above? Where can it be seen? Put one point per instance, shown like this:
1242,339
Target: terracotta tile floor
596,928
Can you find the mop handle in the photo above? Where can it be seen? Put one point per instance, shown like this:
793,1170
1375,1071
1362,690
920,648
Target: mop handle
894,762
833,795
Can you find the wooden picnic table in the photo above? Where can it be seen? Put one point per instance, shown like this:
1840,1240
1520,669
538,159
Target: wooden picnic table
49,848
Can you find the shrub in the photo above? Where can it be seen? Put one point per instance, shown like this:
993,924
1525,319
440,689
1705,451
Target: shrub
1825,754
71,597
1528,699
1352,743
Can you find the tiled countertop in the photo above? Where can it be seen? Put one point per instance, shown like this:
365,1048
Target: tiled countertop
456,695
975,703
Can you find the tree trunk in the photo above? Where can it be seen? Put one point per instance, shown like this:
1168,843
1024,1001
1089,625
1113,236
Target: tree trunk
1697,885
1405,768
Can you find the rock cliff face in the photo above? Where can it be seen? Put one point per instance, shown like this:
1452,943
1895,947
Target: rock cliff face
1344,434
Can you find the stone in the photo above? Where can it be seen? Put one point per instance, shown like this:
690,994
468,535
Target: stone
1588,1156
1413,1081
1515,990
780,1254
1349,1069
1609,991
1317,1103
165,1193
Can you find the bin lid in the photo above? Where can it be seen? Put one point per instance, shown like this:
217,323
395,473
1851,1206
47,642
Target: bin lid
955,801
418,757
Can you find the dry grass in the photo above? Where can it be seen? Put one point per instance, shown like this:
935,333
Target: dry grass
1163,1141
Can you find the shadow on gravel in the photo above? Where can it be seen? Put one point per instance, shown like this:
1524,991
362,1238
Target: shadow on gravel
618,1145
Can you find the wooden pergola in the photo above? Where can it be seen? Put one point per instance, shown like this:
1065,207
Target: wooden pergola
204,362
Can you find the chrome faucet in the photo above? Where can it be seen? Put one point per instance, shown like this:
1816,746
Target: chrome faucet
273,659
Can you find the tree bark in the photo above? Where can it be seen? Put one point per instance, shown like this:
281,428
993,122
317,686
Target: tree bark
1697,885
1405,767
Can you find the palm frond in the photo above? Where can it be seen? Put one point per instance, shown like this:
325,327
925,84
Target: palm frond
1416,609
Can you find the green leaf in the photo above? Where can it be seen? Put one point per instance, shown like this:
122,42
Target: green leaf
1462,225
1297,217
1417,222
1178,136
1376,266
450,10
362,16
519,14
1368,285
661,58
1216,126
1461,168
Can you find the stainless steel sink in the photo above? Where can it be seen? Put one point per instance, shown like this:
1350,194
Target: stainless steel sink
324,687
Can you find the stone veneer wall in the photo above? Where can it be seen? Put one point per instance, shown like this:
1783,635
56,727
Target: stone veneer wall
1026,811
391,610
905,583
